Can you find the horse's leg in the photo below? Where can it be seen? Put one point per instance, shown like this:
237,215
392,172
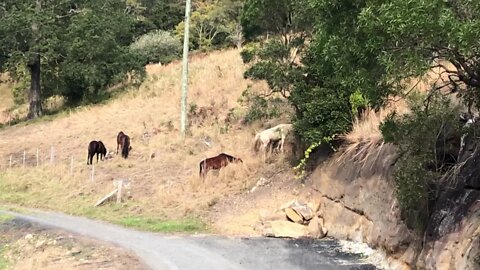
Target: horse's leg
117,148
264,150
97,157
282,142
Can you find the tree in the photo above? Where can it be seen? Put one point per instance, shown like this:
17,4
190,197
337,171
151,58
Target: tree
155,15
158,46
283,29
417,36
214,23
80,47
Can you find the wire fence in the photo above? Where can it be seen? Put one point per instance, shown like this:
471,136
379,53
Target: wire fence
43,158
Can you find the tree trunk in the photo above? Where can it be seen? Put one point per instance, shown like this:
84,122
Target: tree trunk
238,35
35,94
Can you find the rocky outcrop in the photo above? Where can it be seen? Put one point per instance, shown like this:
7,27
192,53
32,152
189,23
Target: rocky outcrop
357,202
452,238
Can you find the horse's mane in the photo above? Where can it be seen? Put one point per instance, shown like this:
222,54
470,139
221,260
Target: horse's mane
230,158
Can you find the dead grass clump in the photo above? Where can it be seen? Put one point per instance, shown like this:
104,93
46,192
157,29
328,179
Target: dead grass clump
365,153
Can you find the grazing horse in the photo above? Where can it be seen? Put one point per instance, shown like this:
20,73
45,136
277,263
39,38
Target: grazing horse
216,163
98,148
276,133
123,141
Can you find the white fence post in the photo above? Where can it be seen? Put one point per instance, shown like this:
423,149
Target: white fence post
10,161
23,160
51,155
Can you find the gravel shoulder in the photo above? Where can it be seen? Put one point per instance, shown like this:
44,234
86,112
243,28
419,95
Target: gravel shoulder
25,245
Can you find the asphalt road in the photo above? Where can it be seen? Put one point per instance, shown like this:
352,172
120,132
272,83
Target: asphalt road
199,252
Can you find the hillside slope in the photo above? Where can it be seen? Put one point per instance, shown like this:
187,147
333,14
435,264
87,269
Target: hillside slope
163,170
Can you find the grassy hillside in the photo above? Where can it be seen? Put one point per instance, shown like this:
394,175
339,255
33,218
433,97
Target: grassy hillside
162,169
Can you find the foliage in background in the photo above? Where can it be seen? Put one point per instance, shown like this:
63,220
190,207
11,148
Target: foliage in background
22,79
155,15
261,107
362,52
81,48
427,142
276,59
157,46
214,24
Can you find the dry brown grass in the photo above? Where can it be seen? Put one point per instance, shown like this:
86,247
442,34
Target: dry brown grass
364,143
6,98
165,186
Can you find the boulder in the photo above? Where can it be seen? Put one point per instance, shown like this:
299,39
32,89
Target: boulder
315,228
293,215
281,228
303,210
266,215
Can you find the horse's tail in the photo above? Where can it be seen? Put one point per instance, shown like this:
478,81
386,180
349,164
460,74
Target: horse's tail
126,147
256,146
201,171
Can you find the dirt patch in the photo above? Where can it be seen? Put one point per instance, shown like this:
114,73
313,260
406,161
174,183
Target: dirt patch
28,246
238,214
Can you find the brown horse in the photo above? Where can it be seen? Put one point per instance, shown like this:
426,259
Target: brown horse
123,141
216,163
98,148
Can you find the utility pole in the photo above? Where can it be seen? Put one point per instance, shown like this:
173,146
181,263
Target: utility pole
183,106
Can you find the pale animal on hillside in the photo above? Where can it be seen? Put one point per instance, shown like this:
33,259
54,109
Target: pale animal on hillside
277,133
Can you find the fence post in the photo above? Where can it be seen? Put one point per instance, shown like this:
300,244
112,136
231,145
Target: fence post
23,160
51,155
10,161
119,192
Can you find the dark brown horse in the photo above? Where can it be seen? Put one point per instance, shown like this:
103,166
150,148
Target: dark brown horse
98,148
123,141
216,163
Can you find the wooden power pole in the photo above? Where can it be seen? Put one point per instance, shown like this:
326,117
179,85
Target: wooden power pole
183,106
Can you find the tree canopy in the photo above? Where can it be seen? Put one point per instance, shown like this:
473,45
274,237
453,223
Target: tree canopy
360,53
365,47
73,49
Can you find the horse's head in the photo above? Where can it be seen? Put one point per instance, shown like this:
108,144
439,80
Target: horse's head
238,160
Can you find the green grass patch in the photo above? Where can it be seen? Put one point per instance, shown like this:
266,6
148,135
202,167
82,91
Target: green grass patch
157,225
5,218
35,189
4,262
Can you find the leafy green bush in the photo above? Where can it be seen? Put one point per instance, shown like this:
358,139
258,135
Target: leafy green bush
249,52
260,107
324,112
358,101
426,144
158,46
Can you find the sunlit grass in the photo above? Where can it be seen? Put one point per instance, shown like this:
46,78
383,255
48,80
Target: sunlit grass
169,226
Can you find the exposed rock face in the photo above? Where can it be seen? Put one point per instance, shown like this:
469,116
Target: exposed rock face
357,202
453,235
